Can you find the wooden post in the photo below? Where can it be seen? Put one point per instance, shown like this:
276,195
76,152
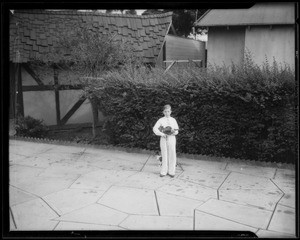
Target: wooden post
19,92
95,115
57,104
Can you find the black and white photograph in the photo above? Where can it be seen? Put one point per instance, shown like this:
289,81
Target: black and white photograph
172,119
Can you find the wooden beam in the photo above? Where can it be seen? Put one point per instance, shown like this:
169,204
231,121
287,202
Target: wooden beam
70,87
32,74
20,103
57,104
51,87
179,61
38,88
72,110
173,62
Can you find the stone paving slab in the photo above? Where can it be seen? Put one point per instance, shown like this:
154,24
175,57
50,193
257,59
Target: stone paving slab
34,215
146,180
15,158
259,171
17,196
95,214
265,199
242,181
65,169
130,200
189,165
271,234
101,179
33,161
250,216
60,157
67,226
135,222
104,160
172,205
209,179
283,220
27,179
19,173
68,200
204,222
188,189
61,149
25,148
118,164
119,155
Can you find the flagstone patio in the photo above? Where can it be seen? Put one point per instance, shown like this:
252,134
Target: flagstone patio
57,187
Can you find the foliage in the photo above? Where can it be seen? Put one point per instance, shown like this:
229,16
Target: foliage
243,111
30,127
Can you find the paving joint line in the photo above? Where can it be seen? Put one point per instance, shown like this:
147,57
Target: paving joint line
222,184
273,212
105,191
247,205
73,181
227,219
227,163
72,221
13,218
275,173
137,214
286,206
33,194
277,187
56,225
73,211
128,215
146,162
157,205
17,164
50,207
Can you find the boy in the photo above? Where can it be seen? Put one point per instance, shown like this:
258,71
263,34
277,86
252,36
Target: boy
167,128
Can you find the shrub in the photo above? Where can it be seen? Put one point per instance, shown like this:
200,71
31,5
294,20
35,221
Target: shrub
244,111
30,127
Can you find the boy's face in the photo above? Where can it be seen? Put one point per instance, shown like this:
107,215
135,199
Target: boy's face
167,112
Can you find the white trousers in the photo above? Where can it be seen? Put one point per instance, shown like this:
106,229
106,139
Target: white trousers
168,153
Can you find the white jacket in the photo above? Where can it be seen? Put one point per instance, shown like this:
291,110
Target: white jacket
165,121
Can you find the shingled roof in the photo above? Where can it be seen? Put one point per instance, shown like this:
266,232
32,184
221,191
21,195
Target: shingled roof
32,32
264,13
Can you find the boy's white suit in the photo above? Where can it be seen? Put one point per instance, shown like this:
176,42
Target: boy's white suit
167,145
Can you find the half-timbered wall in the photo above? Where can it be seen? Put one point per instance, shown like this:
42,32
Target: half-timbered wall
54,98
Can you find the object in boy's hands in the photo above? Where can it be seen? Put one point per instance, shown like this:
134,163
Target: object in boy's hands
167,130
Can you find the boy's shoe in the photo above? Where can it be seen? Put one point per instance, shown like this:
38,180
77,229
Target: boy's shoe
161,175
171,175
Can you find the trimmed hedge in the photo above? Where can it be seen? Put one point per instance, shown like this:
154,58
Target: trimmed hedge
239,112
